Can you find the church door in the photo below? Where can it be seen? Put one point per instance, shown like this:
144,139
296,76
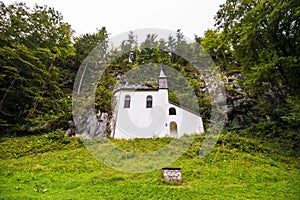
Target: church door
173,130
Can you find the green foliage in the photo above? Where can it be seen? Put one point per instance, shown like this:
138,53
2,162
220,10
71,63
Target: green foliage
34,45
264,36
38,63
103,96
256,48
83,45
140,65
218,46
292,113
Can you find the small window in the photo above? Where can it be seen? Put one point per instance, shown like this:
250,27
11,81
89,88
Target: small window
172,111
127,101
149,102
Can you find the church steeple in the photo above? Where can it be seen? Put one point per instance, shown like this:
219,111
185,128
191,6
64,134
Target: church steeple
162,80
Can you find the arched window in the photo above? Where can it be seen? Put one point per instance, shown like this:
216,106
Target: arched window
172,111
149,102
127,101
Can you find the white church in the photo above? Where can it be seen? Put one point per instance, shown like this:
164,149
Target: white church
147,112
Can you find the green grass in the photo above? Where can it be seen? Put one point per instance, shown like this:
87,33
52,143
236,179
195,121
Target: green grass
51,166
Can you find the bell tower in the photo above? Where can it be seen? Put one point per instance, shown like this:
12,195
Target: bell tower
162,80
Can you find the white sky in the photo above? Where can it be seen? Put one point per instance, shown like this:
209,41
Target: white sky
118,16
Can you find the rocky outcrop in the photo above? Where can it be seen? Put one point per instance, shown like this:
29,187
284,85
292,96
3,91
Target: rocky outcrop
90,126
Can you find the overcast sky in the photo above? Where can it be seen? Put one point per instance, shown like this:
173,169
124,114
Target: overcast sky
118,16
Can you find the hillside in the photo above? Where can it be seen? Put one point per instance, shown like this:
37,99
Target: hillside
52,166
254,53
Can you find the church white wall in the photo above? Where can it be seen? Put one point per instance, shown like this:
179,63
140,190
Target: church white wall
187,122
141,122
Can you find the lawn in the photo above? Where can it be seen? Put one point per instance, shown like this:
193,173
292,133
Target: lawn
51,166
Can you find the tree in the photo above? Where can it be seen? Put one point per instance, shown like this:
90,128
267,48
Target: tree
155,51
83,45
219,47
265,38
34,44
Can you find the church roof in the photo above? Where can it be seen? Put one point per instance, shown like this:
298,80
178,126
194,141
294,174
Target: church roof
135,88
162,74
184,108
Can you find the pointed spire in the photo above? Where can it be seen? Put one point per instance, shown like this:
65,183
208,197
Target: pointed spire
162,74
162,80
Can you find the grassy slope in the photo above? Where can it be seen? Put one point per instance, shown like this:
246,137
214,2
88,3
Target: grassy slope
54,167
